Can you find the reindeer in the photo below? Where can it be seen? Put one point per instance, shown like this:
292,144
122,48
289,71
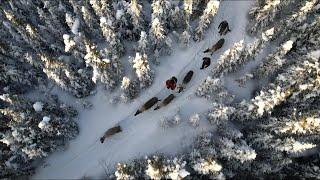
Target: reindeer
110,132
215,47
165,102
147,105
185,81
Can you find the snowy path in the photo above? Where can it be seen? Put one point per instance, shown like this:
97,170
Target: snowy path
142,134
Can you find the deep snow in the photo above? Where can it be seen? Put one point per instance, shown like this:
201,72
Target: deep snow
142,135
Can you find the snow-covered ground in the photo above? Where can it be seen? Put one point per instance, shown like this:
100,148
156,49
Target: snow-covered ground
142,135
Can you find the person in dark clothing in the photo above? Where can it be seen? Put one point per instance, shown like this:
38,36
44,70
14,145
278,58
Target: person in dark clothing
206,62
223,28
172,83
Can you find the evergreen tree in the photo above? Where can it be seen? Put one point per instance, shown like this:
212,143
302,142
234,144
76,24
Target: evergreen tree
206,18
142,70
31,133
137,18
130,89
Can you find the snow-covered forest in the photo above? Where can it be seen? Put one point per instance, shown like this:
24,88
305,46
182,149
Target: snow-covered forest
75,77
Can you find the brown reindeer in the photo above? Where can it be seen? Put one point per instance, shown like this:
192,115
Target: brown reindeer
147,105
215,47
110,132
185,81
165,102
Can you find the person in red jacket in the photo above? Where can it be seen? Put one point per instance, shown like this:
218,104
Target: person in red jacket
172,83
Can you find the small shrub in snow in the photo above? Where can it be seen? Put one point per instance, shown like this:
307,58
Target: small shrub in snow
220,113
242,80
168,122
209,86
203,166
213,89
239,150
195,120
132,170
44,123
38,106
156,168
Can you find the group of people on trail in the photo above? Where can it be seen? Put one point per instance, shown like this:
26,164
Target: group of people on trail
172,82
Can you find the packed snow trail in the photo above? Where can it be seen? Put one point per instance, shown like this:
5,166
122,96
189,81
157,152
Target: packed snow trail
142,134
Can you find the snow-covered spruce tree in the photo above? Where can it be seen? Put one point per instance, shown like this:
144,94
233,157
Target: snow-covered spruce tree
161,43
18,77
154,167
306,36
106,69
213,89
101,8
238,55
271,64
90,18
136,19
204,163
220,113
143,72
206,18
130,89
26,31
131,170
114,44
32,131
161,10
53,15
175,18
76,40
187,33
70,76
236,149
285,27
228,59
227,149
122,21
263,16
274,61
143,43
282,138
201,162
158,33
169,122
298,78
